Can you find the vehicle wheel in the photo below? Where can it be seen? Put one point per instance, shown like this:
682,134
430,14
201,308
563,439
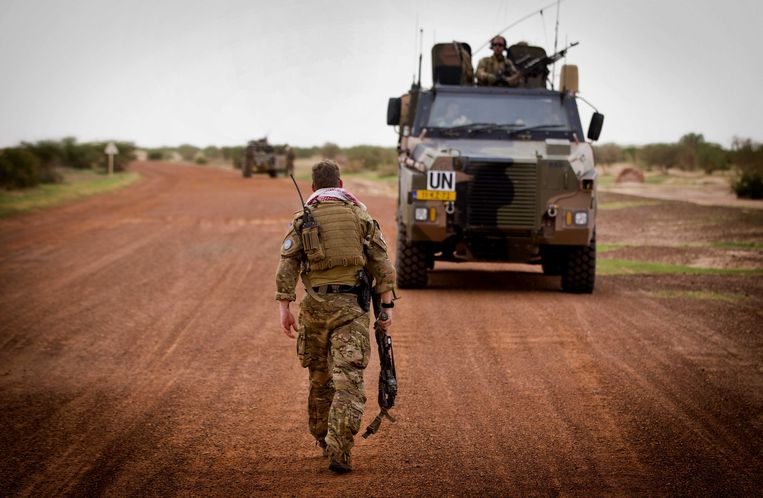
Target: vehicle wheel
551,259
272,173
411,262
579,269
246,170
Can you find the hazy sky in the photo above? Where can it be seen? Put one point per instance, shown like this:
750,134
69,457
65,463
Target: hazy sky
222,72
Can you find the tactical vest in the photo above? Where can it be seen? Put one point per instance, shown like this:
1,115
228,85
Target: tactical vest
341,237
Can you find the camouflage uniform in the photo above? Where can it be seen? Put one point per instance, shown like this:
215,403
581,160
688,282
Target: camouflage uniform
489,67
333,340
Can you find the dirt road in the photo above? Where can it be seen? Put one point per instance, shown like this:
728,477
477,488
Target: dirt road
140,354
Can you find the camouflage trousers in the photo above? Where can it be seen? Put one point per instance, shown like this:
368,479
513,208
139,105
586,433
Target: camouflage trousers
333,343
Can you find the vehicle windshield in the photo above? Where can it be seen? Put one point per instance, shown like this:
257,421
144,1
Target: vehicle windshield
486,112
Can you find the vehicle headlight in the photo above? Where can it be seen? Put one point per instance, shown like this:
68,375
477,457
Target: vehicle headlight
420,214
581,217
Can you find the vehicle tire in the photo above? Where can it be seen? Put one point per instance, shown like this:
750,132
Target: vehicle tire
246,170
411,262
272,173
551,259
579,269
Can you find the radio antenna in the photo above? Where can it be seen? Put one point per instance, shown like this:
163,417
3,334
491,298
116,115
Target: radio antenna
415,47
301,200
556,38
421,51
520,20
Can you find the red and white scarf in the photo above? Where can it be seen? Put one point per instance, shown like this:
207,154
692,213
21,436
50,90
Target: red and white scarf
334,194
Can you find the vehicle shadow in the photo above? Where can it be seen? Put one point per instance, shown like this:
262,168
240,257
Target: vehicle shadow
498,280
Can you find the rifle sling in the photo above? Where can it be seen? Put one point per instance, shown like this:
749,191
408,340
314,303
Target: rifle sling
309,289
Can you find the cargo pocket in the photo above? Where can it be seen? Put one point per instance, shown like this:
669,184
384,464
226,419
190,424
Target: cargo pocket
365,347
304,360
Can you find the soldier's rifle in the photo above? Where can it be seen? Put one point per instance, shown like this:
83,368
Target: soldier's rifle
387,374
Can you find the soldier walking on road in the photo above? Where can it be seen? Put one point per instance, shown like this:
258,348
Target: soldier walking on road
497,69
332,338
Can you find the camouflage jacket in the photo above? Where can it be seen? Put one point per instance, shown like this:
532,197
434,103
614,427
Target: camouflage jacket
489,68
293,259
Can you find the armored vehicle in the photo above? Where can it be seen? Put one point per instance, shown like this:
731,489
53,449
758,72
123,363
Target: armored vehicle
495,174
262,157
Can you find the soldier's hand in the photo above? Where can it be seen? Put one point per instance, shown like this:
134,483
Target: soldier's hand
514,79
288,323
388,322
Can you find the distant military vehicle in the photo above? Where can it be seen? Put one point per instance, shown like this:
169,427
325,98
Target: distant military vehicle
262,157
495,174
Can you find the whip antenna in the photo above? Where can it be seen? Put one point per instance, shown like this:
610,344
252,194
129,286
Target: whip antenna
415,46
421,51
528,16
556,38
301,200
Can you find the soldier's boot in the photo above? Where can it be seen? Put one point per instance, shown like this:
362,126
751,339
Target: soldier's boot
340,468
339,459
339,462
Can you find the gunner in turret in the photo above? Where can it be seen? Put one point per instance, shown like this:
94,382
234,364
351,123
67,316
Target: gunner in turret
497,69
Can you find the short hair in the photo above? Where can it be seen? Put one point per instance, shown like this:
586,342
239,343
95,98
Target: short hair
326,174
497,37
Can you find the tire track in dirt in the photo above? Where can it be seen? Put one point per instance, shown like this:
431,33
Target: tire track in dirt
140,354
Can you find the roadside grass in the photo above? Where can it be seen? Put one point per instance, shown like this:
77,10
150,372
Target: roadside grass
656,179
627,204
76,185
705,295
605,180
629,267
737,245
602,247
374,176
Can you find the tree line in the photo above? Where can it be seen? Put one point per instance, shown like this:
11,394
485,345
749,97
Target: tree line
354,159
29,164
693,153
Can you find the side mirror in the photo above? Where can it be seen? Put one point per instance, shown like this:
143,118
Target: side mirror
393,111
594,129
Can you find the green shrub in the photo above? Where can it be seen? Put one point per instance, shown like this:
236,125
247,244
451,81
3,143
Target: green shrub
747,155
329,150
234,155
608,153
200,160
749,185
371,157
212,152
19,168
82,156
155,155
661,155
188,152
305,152
70,154
712,157
388,169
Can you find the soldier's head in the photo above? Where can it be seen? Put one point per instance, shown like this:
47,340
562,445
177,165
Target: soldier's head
498,44
326,175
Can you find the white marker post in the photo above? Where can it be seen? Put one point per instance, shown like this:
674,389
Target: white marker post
111,151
